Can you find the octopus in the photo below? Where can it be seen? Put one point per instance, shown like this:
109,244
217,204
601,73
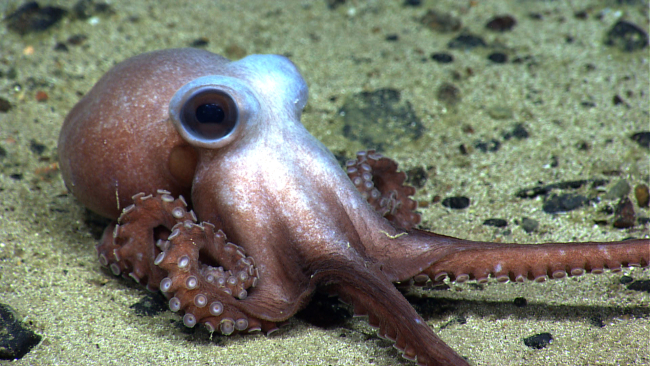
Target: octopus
272,217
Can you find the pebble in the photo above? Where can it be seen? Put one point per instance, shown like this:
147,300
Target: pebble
442,57
496,222
642,194
619,190
539,341
642,138
627,36
456,202
440,22
31,17
529,225
501,23
624,215
16,340
564,203
466,41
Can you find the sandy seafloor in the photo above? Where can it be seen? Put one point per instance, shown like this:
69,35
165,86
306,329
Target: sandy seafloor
48,269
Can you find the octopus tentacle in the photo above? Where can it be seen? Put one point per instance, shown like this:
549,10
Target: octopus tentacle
128,247
515,262
208,289
372,295
377,179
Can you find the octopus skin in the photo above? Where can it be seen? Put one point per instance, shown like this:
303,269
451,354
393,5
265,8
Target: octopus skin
271,215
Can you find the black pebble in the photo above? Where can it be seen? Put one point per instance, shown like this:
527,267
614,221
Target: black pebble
417,177
457,203
519,132
520,302
498,57
16,340
642,138
529,225
501,23
442,57
37,148
627,36
30,17
5,106
448,93
392,37
466,41
492,145
495,222
539,341
624,280
564,203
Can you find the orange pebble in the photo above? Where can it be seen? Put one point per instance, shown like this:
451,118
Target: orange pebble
41,96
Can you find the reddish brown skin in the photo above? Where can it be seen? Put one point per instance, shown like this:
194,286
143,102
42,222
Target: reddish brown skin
111,149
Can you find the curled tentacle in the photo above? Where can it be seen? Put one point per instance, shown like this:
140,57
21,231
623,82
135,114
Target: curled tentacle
206,277
129,247
377,179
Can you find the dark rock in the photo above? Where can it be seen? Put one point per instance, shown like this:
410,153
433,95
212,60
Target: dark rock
529,225
440,22
380,119
624,214
518,131
501,23
539,341
417,177
498,57
545,189
624,280
392,37
16,340
442,57
456,203
619,190
37,148
564,203
5,106
520,302
491,145
466,41
31,17
642,138
627,36
495,222
84,9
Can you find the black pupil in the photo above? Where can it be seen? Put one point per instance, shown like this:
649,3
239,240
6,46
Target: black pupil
210,113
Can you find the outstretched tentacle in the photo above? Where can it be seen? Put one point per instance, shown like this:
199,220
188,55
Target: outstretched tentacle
538,262
372,295
128,247
432,256
377,179
208,290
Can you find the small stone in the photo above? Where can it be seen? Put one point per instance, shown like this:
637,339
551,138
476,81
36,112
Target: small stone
498,57
30,17
501,23
495,222
519,132
627,36
564,203
442,57
624,280
643,285
417,177
440,22
466,41
16,340
456,203
642,138
520,302
539,341
642,194
619,190
529,225
624,214
5,106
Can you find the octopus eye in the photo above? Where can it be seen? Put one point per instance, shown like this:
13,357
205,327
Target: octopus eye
209,115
